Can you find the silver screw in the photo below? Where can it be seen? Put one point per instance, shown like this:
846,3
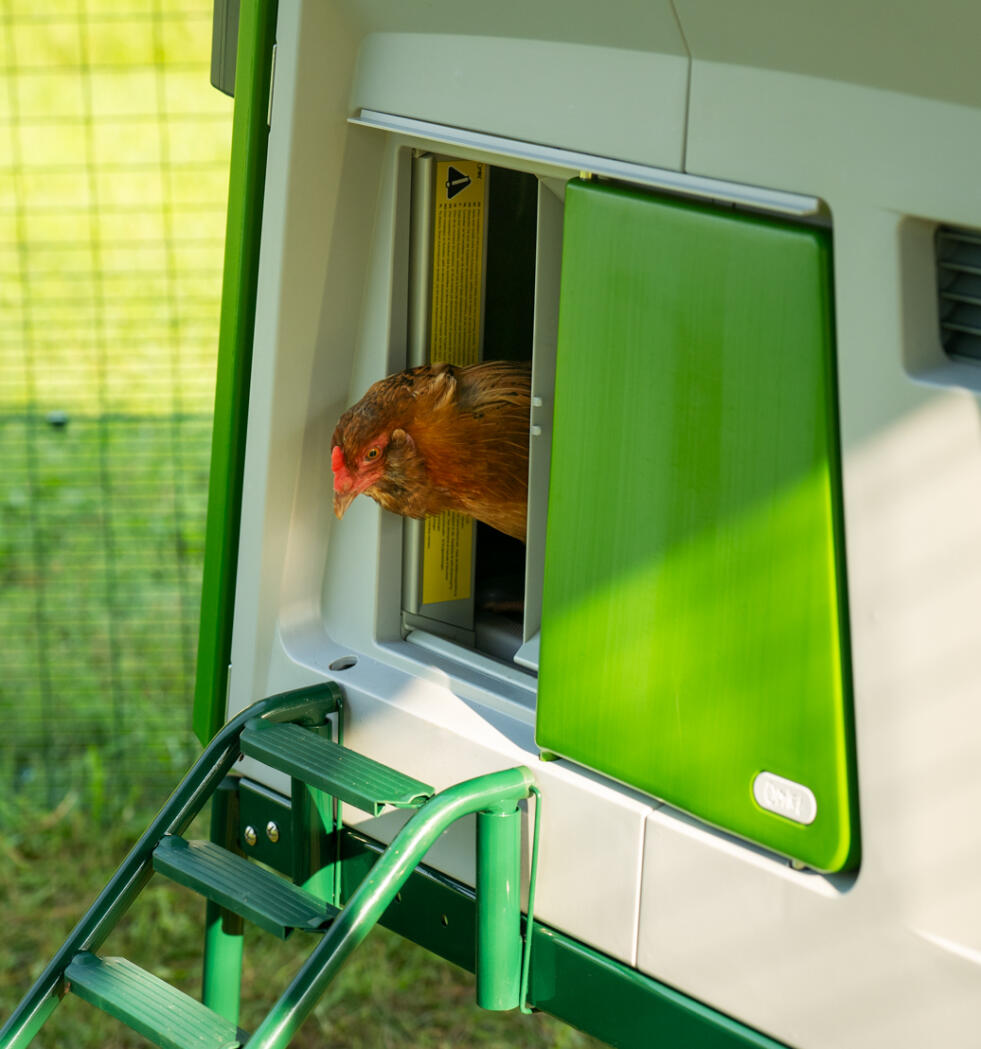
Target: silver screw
250,836
272,832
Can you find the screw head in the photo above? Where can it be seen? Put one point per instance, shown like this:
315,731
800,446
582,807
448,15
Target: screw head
250,836
272,832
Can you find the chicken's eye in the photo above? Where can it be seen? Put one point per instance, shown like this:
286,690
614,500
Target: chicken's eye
371,454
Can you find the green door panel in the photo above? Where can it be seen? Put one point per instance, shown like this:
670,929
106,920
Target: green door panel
693,630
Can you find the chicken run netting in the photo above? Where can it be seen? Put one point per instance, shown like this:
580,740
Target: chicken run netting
113,181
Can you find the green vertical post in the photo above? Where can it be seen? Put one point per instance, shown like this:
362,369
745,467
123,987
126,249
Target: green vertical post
222,968
498,954
224,932
250,132
314,843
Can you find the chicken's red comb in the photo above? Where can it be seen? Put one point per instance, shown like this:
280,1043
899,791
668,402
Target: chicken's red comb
342,479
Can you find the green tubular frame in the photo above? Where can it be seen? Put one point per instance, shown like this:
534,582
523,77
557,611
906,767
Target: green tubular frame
224,932
496,793
307,705
376,892
250,132
498,955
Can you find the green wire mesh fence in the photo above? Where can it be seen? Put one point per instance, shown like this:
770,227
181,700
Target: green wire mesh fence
113,179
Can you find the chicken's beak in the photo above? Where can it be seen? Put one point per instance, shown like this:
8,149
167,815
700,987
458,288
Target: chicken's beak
344,488
342,500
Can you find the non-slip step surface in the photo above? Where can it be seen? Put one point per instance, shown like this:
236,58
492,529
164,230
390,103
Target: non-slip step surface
154,1009
258,895
340,772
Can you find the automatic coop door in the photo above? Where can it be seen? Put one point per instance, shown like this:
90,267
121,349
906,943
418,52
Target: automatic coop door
693,623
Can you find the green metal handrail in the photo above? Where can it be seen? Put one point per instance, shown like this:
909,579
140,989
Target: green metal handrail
493,797
495,792
306,706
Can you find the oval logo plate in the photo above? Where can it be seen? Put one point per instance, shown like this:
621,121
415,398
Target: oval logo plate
785,797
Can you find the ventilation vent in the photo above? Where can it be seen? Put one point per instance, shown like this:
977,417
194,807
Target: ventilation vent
959,287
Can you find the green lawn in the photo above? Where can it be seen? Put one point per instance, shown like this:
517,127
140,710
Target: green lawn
113,179
101,546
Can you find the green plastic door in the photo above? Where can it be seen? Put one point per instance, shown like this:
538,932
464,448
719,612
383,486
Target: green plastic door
693,630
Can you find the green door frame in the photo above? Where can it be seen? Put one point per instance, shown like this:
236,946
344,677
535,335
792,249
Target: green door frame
250,134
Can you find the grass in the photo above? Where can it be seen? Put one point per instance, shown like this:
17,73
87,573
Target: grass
113,177
390,995
101,546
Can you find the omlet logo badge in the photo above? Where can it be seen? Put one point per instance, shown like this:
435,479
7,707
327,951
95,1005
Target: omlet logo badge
785,797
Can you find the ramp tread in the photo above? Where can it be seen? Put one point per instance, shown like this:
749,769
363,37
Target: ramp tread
257,894
166,1016
342,773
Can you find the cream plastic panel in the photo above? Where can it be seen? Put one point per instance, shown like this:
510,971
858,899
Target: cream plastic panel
331,318
555,75
890,958
916,47
630,105
893,959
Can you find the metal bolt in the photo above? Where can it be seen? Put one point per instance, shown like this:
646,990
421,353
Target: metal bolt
272,832
250,836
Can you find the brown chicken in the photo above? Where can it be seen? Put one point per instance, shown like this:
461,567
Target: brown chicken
440,437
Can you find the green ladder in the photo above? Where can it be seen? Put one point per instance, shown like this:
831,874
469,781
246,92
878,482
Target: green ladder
290,732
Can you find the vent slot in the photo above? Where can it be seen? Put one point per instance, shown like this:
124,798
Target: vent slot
959,289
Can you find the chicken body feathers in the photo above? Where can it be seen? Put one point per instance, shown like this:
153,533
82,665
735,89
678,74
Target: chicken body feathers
449,438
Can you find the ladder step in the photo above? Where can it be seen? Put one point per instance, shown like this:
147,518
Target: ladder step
258,895
159,1012
340,772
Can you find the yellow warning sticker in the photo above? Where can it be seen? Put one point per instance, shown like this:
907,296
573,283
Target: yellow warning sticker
447,556
458,261
459,224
